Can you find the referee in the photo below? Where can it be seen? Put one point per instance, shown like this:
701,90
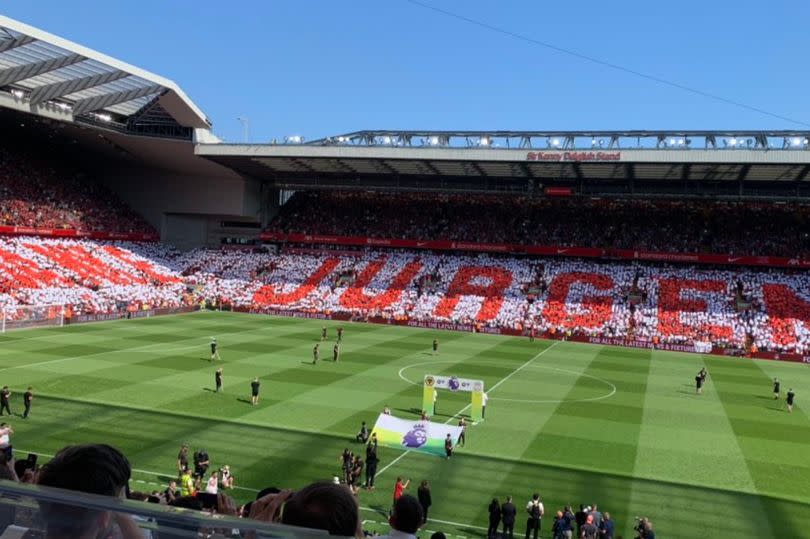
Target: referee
218,379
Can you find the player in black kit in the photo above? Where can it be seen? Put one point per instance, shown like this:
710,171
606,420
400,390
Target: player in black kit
435,346
218,379
790,396
214,351
340,337
323,333
336,352
28,396
254,391
315,354
371,461
776,387
5,397
699,380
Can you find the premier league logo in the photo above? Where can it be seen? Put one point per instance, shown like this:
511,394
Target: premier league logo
416,437
453,384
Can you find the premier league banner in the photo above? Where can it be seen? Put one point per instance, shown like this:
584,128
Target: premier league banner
409,435
454,383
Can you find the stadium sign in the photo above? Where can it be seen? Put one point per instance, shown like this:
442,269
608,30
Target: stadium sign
573,156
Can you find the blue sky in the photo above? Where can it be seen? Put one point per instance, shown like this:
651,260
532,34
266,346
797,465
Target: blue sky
317,68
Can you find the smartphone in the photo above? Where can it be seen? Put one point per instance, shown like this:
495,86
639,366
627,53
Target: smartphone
31,462
208,500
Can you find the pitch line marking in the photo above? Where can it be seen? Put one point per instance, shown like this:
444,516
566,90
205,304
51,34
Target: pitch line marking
119,350
493,388
528,401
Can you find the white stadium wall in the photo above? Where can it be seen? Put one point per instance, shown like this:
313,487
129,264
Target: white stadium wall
183,196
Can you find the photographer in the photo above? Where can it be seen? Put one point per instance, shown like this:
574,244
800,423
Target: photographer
644,528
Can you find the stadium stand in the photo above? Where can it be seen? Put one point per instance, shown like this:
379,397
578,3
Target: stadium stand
676,226
695,307
43,193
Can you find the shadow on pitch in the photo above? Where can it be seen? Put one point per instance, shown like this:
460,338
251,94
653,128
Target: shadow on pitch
209,390
248,401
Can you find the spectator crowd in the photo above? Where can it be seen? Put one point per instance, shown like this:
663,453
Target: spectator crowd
38,192
738,308
672,226
331,506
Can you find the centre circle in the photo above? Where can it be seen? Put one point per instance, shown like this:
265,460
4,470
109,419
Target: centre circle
610,388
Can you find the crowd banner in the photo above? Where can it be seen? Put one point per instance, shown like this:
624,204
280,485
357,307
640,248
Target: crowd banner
7,230
541,250
420,436
433,383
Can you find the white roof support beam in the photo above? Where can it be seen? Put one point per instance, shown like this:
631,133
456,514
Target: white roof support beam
27,71
108,100
47,92
9,44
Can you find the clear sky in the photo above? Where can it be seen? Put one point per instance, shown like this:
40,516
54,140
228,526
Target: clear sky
325,67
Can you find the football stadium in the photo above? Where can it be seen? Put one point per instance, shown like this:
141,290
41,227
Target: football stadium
390,332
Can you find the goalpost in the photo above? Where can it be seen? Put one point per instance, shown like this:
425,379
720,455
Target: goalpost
25,316
452,383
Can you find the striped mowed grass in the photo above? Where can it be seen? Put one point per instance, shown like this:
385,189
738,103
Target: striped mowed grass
577,423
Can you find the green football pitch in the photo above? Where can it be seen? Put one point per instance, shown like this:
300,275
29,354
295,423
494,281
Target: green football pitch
578,423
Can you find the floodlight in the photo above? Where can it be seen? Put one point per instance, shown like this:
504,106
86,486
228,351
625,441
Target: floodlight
484,141
555,142
733,142
796,141
434,141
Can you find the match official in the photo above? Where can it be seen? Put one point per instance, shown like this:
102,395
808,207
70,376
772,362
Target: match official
218,379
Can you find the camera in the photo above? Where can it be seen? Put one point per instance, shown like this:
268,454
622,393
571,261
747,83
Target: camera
641,527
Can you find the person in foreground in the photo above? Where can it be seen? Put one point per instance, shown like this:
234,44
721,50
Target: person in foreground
320,506
95,469
406,518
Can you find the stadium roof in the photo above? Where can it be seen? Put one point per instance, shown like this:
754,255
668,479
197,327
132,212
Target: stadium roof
43,73
752,163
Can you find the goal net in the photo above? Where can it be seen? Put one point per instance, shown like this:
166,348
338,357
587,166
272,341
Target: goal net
26,316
